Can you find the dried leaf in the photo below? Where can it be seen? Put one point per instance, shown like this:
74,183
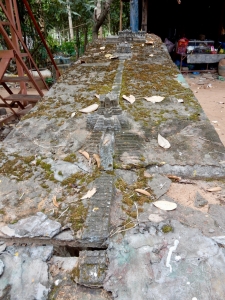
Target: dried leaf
165,205
130,98
102,48
89,194
147,175
186,181
154,99
108,55
149,42
163,142
97,96
214,189
114,57
106,141
144,192
55,201
174,177
98,160
151,55
95,209
85,154
89,109
73,114
221,162
180,100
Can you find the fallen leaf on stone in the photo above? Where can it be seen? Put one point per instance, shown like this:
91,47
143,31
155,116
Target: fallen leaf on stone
174,177
149,42
154,99
106,141
130,98
147,175
214,189
98,160
222,162
73,114
215,122
102,48
144,192
186,181
89,194
165,205
97,96
155,218
180,100
108,55
114,57
89,109
95,209
151,55
55,201
85,154
142,45
163,142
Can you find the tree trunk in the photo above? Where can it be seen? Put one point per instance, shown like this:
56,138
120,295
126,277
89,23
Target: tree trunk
70,20
98,20
77,42
85,37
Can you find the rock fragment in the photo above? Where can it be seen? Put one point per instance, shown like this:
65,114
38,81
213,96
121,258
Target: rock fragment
35,226
199,200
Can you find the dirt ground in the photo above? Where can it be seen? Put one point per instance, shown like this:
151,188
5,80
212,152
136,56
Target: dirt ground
211,95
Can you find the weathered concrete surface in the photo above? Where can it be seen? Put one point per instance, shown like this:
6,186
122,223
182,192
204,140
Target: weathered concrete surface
139,266
25,274
43,170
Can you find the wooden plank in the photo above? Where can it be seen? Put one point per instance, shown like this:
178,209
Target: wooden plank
20,97
15,79
144,15
6,54
7,119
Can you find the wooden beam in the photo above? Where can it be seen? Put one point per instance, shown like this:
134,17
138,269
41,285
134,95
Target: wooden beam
144,23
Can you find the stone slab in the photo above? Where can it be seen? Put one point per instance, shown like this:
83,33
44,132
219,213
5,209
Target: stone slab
26,273
96,228
140,266
35,226
92,266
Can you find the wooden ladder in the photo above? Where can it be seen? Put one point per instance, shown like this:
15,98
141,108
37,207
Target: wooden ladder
17,50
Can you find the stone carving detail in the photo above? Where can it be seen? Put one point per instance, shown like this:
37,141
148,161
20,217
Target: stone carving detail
123,48
109,105
125,35
108,116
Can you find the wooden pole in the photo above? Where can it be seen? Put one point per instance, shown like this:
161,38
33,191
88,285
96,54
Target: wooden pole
121,15
144,15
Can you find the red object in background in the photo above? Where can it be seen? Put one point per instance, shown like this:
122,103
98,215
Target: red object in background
182,46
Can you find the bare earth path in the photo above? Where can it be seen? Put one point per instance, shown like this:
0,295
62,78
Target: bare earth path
211,99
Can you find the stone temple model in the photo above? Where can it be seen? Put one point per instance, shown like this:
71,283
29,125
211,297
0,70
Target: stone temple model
109,115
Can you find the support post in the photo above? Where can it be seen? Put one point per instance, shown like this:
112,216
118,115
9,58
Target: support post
121,15
134,15
144,15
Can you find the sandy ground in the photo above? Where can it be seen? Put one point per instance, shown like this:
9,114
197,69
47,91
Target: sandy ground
212,99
